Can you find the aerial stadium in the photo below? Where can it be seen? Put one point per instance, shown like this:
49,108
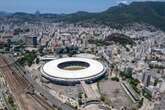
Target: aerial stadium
72,70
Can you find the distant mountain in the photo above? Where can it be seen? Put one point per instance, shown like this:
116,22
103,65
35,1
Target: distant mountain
142,12
152,13
3,13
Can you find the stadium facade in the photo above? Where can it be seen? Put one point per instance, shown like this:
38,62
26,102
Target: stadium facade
72,70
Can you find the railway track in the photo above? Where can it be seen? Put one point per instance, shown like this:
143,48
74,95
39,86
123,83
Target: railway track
14,85
18,85
41,102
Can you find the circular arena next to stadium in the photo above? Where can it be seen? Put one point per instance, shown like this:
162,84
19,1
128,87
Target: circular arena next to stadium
73,70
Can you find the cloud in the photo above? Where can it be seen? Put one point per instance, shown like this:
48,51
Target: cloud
124,2
129,1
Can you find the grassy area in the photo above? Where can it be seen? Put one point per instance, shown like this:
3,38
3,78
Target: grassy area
98,42
105,99
11,102
115,79
127,74
28,58
74,68
146,94
133,83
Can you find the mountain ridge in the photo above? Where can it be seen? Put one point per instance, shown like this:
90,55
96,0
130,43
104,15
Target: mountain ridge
148,12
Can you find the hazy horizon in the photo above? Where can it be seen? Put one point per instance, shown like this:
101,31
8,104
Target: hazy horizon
60,6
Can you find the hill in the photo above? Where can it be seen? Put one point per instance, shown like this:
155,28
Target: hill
152,13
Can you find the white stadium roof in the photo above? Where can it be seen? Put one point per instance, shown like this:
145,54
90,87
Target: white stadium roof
51,69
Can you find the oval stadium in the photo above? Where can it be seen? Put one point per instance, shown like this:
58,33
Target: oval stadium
72,70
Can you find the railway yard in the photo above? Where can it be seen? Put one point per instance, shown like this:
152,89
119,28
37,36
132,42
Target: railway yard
20,87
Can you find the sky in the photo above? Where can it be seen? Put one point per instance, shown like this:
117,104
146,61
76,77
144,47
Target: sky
59,6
